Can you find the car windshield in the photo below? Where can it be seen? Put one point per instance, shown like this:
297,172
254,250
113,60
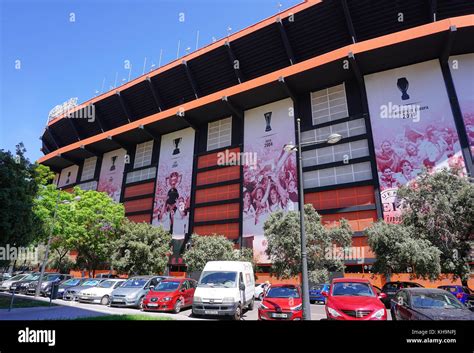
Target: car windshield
435,300
167,286
32,277
218,279
107,284
134,283
283,292
51,277
17,278
72,282
91,283
352,289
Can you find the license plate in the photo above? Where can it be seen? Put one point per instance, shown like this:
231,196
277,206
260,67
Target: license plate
211,312
118,300
152,305
280,315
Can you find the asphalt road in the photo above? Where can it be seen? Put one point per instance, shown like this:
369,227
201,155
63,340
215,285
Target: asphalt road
72,310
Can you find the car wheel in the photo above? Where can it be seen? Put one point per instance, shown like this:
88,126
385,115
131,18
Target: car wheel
177,306
140,303
312,301
105,300
252,304
238,313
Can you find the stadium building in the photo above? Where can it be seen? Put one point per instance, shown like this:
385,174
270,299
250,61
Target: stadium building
200,145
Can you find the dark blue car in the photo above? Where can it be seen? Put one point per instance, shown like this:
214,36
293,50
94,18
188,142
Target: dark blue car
315,293
460,292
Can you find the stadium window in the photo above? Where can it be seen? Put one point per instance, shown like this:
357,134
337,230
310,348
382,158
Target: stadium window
219,134
143,154
329,104
88,168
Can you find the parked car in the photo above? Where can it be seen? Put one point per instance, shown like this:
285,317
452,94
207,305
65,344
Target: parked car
100,293
72,292
171,295
463,293
260,290
281,302
23,285
428,304
134,290
316,293
354,299
225,288
5,286
47,280
390,288
70,283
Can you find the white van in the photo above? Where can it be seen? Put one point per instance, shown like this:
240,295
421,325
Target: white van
225,288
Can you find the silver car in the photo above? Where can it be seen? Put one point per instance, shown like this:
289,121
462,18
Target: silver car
72,292
5,286
134,290
101,293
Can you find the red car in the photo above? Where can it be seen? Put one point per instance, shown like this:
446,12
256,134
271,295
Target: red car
170,295
354,299
281,302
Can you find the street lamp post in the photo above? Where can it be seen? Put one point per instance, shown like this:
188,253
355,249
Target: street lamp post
48,244
333,138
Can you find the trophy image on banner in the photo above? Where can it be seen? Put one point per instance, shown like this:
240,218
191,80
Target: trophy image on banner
402,85
176,144
112,167
268,120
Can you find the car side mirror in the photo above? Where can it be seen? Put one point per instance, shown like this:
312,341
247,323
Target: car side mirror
382,296
151,287
242,286
325,294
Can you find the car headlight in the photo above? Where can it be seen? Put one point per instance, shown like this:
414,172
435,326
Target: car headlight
333,312
44,285
197,300
166,299
297,308
228,300
379,314
131,296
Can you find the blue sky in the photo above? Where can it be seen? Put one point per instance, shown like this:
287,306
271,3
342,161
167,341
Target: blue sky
60,59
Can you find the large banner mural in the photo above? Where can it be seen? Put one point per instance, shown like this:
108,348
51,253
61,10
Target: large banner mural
462,70
111,173
413,128
271,183
173,184
68,176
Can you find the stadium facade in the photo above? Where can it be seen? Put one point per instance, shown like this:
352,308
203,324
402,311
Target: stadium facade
198,145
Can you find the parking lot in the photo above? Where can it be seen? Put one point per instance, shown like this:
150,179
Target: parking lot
73,310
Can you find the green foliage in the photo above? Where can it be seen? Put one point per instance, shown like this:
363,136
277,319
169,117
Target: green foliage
440,208
213,248
397,249
141,249
284,244
88,225
17,191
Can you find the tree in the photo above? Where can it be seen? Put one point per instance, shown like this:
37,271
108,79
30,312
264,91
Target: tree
18,189
284,244
397,249
141,249
97,219
440,208
212,248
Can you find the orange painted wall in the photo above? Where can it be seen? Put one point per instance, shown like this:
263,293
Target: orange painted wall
229,230
138,205
210,160
218,212
218,193
140,218
137,190
356,196
218,175
357,220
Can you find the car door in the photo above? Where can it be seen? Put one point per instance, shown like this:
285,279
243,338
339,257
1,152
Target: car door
404,312
184,291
